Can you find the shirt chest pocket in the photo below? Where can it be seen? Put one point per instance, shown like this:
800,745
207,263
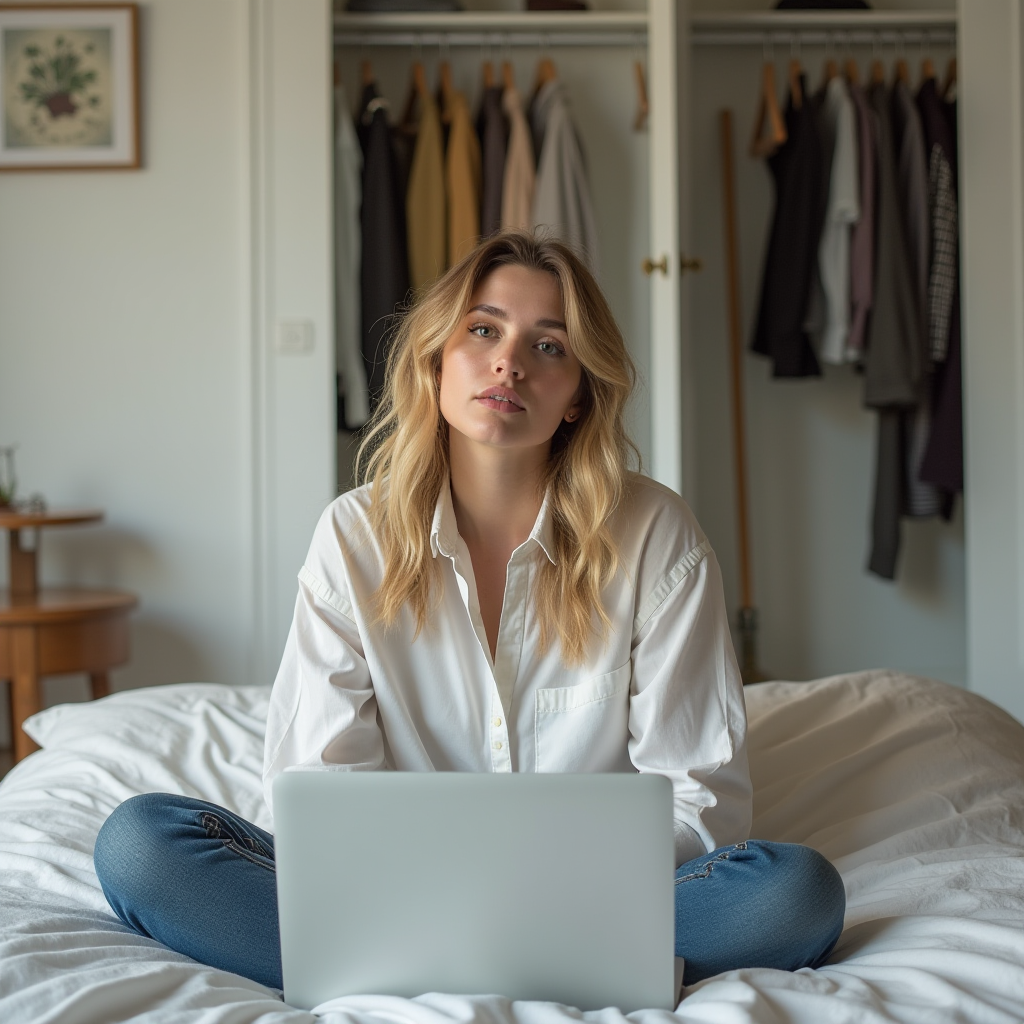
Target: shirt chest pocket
584,728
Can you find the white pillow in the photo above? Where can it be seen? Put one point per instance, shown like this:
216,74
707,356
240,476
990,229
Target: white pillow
201,739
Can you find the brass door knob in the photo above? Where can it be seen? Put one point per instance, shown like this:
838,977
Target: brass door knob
649,266
695,265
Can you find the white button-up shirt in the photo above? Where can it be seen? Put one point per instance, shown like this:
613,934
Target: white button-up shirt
660,693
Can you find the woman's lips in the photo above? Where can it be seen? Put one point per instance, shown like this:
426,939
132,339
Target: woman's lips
502,405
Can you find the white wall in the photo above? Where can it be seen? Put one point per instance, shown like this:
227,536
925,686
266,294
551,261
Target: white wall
811,444
124,355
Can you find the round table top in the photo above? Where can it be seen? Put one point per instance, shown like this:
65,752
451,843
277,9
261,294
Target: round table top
14,518
60,604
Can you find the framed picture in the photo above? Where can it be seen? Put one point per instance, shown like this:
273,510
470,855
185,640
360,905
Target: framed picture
69,87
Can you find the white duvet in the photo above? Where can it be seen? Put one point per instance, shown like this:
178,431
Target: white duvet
914,790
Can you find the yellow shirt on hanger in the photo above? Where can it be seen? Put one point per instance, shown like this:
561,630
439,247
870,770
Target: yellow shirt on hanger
463,178
425,199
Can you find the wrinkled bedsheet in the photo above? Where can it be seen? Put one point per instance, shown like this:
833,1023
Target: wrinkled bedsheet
914,790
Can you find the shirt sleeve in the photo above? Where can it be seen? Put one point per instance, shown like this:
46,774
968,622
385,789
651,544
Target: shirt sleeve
687,716
323,711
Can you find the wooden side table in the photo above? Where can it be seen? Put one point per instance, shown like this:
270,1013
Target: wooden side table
54,631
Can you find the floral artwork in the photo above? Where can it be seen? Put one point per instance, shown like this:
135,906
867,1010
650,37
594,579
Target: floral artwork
63,88
68,94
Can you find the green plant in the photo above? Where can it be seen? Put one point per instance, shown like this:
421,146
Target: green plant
57,77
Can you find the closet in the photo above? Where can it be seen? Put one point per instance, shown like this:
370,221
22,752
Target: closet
659,198
631,170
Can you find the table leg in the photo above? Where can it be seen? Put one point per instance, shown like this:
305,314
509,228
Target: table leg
100,684
25,696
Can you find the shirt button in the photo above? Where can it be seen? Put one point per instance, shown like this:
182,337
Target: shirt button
496,722
497,744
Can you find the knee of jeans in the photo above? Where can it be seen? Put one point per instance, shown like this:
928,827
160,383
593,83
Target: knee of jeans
127,843
814,887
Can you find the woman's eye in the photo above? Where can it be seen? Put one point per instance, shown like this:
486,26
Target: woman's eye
550,348
482,330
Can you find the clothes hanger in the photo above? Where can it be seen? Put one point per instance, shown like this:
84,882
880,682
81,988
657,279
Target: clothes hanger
508,75
488,75
408,125
643,107
927,70
767,109
902,72
851,71
877,72
366,73
950,81
796,90
546,72
831,71
447,91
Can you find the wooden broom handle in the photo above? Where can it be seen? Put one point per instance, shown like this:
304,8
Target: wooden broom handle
736,358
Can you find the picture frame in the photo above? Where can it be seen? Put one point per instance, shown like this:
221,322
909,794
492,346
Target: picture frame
69,87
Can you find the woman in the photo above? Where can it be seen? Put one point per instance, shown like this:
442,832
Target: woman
503,595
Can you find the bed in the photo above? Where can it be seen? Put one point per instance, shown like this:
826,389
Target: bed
914,789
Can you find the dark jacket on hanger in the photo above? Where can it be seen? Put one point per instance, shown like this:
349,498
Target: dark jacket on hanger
385,265
797,168
943,463
492,128
893,370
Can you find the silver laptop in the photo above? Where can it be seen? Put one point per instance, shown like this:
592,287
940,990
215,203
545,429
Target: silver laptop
549,887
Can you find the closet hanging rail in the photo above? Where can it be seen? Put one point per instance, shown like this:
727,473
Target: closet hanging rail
462,37
823,28
492,28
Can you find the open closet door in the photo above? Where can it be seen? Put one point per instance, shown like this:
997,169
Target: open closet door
991,80
668,61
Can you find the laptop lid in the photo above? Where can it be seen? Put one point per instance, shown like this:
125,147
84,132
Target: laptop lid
542,887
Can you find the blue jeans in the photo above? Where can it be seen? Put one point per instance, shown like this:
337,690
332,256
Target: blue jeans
201,880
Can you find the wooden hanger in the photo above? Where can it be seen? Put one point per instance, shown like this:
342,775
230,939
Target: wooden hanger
927,70
508,75
408,125
851,71
877,73
546,72
902,72
831,71
365,73
767,109
447,91
642,107
950,80
488,75
796,90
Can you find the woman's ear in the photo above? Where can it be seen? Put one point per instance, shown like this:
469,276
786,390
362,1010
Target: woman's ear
572,414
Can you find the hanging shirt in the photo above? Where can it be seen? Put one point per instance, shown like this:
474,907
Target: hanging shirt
893,364
797,171
492,129
462,181
384,273
561,201
922,498
661,694
842,210
943,462
519,177
425,201
348,240
862,235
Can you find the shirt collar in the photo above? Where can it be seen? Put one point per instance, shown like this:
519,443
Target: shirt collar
444,531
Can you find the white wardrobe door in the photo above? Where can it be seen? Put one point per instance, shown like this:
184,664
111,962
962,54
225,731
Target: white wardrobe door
666,48
992,261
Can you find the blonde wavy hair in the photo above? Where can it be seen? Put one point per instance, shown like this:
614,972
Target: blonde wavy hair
405,451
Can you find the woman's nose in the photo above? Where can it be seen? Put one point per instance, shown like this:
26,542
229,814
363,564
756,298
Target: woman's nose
507,361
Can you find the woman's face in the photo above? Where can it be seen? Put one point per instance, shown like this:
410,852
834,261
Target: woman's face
508,375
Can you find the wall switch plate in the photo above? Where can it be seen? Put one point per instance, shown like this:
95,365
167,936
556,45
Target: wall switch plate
294,337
